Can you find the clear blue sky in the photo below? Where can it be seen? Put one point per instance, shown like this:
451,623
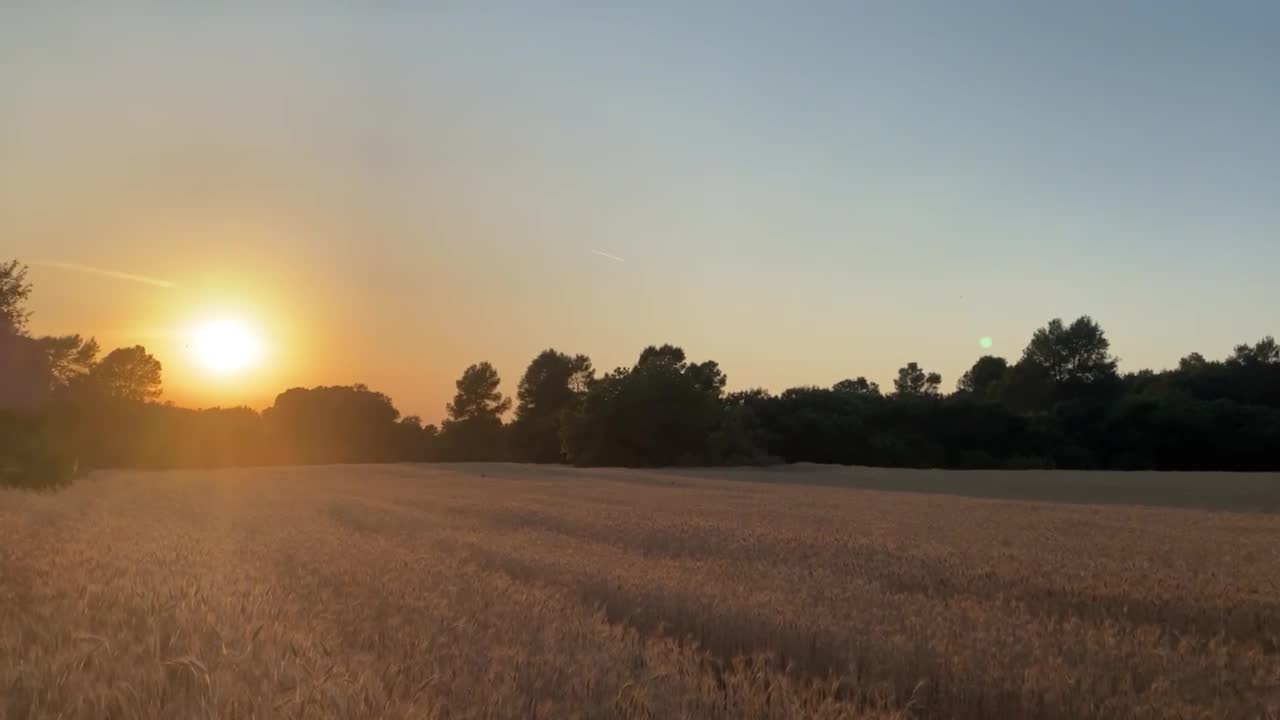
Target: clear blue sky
801,191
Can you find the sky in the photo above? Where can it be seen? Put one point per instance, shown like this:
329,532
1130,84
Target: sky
388,192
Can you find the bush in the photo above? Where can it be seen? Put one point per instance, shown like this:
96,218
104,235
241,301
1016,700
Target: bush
34,457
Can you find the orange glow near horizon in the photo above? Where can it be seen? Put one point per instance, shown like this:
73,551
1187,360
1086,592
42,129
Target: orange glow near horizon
231,331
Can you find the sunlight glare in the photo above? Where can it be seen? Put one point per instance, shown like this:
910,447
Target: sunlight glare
225,346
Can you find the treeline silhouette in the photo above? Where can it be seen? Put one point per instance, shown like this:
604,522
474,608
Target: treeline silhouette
1061,404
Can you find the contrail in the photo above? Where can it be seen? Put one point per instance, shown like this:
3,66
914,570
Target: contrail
603,254
76,267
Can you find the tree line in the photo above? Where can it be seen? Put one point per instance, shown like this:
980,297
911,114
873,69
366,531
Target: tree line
1062,404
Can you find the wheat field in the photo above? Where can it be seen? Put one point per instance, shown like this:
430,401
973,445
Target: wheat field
506,591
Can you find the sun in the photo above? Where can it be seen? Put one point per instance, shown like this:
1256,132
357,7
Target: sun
225,346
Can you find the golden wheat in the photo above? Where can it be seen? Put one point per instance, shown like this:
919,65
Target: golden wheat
512,592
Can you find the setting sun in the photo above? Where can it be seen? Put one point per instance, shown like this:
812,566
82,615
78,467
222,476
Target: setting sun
225,346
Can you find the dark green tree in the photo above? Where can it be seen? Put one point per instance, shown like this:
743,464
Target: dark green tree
25,378
1193,362
32,443
339,424
857,386
14,291
1073,355
551,382
71,357
667,354
474,428
1025,388
707,377
415,441
817,424
552,385
477,395
1264,352
663,411
130,374
914,381
983,376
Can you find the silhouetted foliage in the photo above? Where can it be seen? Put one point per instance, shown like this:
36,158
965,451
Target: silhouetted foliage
24,367
857,386
128,374
25,377
667,354
415,442
33,448
985,374
70,357
1062,405
14,291
1263,352
913,381
1076,359
741,438
815,424
1192,362
1026,388
553,385
348,424
663,411
478,395
165,436
34,452
474,429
